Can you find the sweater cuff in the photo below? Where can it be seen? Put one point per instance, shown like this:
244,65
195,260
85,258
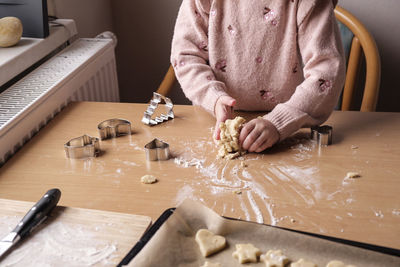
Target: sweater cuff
286,120
211,97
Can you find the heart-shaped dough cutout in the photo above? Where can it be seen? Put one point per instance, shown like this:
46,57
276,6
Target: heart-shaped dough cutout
209,242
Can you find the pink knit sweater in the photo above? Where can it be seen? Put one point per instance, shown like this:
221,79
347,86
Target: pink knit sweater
280,56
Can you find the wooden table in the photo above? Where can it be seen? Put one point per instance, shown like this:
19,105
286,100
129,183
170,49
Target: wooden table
296,184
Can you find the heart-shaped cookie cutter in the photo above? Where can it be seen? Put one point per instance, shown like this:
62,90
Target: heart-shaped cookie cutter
82,147
322,134
113,128
157,150
169,113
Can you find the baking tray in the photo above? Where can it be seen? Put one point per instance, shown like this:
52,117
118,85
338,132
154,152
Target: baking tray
167,213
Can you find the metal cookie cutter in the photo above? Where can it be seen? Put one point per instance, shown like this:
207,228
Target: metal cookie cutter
169,113
157,150
322,134
82,147
114,127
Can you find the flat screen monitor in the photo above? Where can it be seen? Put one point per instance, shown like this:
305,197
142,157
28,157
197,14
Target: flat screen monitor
32,13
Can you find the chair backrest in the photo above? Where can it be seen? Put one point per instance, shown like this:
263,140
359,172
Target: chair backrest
168,82
355,38
359,41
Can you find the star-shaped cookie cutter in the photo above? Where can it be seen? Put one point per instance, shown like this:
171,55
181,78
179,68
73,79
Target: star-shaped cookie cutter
169,113
82,147
113,128
157,150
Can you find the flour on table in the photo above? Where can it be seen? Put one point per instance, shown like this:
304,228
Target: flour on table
229,146
60,244
148,179
209,242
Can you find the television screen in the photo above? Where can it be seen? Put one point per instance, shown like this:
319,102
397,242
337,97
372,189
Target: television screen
32,13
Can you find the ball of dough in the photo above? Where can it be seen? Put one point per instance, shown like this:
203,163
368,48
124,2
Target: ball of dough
10,31
148,179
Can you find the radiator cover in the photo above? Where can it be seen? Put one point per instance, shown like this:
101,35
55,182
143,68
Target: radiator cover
84,71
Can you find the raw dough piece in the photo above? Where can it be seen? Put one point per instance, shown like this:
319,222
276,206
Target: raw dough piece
237,191
303,263
209,242
229,146
211,264
246,253
148,179
338,264
274,258
353,175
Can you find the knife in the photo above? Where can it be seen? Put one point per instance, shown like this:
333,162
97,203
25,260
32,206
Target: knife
35,216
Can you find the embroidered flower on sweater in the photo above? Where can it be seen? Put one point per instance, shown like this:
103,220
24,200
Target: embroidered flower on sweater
325,84
221,65
181,63
269,15
258,59
203,46
210,77
265,94
294,70
231,29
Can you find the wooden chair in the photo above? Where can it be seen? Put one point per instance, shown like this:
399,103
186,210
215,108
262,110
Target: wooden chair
359,40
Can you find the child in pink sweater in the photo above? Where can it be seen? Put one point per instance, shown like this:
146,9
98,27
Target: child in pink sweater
280,56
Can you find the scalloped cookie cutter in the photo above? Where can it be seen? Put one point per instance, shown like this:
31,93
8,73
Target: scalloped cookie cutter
113,128
157,150
322,134
82,147
169,113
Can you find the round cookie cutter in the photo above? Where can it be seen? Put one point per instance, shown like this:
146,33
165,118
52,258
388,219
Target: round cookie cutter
157,150
322,135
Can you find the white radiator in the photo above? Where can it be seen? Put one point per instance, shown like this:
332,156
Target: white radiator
84,71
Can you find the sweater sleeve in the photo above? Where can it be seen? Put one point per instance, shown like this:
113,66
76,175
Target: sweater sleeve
189,55
321,51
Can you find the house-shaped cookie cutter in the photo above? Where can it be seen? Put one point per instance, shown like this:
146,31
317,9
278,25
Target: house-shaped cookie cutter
322,135
157,99
113,128
82,147
157,150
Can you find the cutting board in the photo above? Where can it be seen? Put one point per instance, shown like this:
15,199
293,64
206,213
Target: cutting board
71,236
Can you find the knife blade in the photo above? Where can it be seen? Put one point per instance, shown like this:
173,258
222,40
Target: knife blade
34,217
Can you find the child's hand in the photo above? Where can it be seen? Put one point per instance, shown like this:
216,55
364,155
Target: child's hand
223,111
258,135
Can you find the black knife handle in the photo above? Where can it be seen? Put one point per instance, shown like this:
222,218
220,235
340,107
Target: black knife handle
38,212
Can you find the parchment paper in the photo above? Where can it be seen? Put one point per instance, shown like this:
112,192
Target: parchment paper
174,243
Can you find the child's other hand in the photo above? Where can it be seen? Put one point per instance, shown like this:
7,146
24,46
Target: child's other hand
258,135
223,111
